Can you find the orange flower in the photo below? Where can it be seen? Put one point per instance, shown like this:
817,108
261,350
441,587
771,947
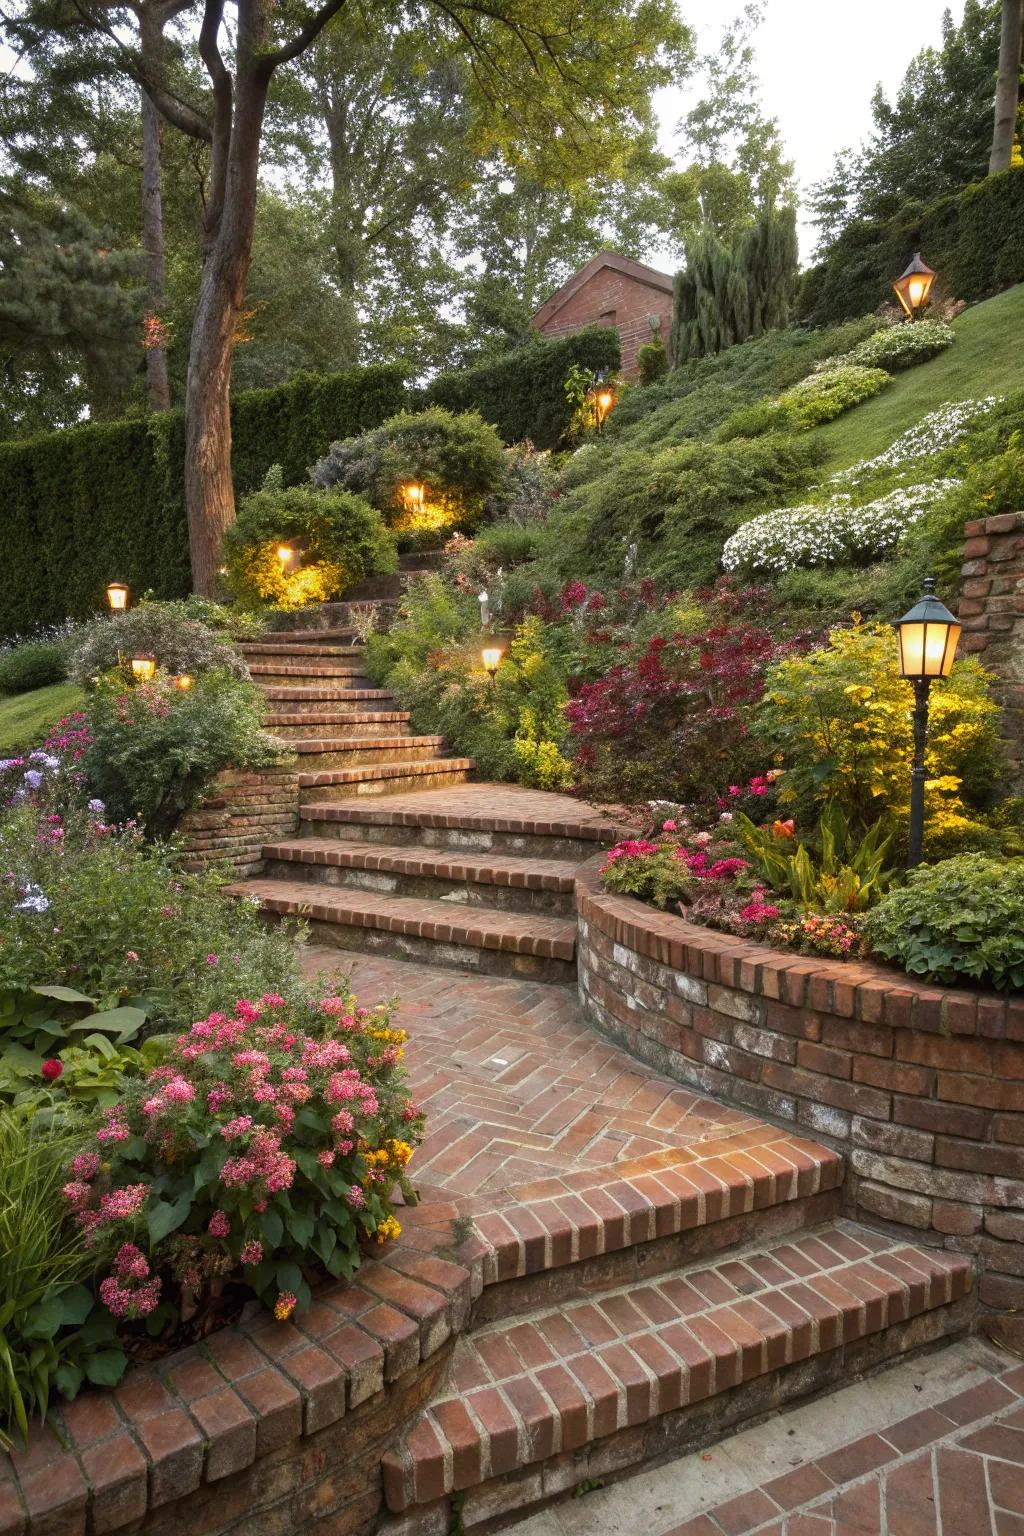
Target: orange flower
784,828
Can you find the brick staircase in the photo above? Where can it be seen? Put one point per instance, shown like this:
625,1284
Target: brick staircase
607,1315
472,876
621,1315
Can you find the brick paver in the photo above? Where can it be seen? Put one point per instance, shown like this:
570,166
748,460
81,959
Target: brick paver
516,1085
963,1477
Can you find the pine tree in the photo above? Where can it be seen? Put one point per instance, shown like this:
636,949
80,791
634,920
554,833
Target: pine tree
734,288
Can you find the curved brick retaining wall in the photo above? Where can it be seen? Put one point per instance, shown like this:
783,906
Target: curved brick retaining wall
921,1087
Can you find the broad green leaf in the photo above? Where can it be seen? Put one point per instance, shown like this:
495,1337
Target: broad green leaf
163,1217
106,1368
63,994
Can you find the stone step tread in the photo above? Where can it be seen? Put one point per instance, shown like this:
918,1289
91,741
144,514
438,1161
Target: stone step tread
305,669
319,777
293,693
439,863
478,807
367,743
300,649
340,717
304,636
524,933
527,1389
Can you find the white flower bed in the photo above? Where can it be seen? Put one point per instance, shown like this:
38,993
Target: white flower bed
941,429
901,346
833,534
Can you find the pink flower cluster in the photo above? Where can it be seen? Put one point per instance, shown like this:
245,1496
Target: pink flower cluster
698,863
130,1291
629,848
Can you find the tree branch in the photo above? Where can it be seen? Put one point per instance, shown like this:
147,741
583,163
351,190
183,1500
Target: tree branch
309,34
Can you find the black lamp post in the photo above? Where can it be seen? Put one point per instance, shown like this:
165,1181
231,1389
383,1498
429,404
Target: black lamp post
927,637
913,286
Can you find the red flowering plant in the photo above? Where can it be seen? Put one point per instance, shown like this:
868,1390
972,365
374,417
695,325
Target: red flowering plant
672,717
265,1149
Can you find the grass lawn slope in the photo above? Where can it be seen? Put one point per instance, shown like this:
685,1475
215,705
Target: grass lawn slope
25,718
988,359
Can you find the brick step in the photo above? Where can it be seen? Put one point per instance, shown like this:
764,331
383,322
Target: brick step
321,750
384,778
495,943
337,723
537,1406
339,634
322,618
473,818
508,883
300,649
312,670
312,699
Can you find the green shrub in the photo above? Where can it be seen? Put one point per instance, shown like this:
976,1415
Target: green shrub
121,922
36,664
52,1337
105,502
456,461
155,747
171,631
336,539
823,396
902,346
840,718
973,238
652,360
673,507
523,393
960,920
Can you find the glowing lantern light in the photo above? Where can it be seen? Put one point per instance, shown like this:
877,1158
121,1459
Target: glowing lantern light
143,668
117,597
491,656
927,638
913,286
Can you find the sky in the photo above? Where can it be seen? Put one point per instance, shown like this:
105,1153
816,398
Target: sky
819,62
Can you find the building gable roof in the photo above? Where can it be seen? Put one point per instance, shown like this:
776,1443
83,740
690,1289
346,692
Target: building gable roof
636,270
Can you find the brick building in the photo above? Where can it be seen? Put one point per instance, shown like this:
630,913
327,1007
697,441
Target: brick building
611,290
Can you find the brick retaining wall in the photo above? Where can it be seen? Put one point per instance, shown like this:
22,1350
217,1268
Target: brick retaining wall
239,813
922,1088
992,614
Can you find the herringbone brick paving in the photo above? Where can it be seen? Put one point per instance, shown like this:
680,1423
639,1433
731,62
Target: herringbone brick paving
516,1086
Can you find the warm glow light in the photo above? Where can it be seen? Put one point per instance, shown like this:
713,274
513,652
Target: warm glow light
491,656
143,668
183,681
284,554
913,286
414,495
117,597
927,638
604,401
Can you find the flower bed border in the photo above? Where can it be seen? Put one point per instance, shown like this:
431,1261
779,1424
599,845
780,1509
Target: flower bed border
920,1086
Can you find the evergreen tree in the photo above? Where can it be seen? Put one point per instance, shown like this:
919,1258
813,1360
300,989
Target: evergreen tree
736,287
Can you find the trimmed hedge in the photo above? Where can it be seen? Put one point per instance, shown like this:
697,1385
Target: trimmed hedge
974,239
105,502
523,394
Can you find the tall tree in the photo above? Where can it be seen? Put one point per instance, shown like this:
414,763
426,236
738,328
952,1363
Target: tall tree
931,139
1011,43
67,301
571,72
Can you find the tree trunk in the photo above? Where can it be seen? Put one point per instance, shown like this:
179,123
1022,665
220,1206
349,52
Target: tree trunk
1007,86
209,492
158,389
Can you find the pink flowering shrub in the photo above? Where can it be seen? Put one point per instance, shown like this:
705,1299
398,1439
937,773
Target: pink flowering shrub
268,1144
679,866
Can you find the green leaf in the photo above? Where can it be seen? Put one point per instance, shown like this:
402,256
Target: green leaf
68,1379
122,1023
64,994
271,1229
163,1217
288,1277
106,1368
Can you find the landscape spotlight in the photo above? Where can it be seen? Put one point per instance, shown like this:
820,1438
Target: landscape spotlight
143,668
491,656
927,638
913,286
117,597
183,681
